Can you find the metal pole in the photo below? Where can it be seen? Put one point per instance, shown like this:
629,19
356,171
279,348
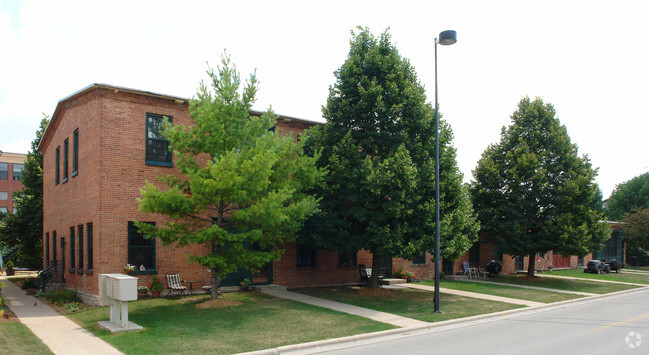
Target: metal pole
436,190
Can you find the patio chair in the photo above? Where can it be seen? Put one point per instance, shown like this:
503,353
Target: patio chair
364,273
174,284
208,284
469,270
483,273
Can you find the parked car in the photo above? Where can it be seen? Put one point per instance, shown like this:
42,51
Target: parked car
602,266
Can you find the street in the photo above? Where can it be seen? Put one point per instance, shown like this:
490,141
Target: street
611,325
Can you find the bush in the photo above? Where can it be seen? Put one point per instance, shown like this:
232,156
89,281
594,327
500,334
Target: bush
61,297
10,264
30,282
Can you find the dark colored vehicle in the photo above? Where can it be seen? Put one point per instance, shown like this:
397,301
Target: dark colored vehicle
601,266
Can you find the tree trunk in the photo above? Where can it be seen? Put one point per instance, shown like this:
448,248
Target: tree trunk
216,285
374,279
531,265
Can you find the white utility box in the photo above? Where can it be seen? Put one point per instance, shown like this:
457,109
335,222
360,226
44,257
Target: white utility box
115,291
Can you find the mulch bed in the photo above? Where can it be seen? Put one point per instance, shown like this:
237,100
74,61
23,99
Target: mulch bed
220,302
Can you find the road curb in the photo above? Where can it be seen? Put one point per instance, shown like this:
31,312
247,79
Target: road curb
431,327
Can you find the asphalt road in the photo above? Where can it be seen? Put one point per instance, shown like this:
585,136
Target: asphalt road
611,325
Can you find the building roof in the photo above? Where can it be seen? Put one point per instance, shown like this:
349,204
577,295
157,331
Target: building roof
176,99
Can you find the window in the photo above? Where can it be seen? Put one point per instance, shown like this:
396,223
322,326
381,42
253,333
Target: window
89,245
474,254
66,148
3,212
419,259
58,165
346,258
306,256
4,171
80,246
141,251
54,245
18,171
47,248
4,195
75,153
72,263
157,147
498,254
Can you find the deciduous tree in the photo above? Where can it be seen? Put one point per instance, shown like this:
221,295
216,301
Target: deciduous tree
628,197
242,187
534,193
378,145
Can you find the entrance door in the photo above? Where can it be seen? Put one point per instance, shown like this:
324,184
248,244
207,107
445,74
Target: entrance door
518,263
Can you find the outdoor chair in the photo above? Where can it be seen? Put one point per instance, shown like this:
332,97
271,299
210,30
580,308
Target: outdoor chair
208,284
174,284
365,273
473,272
483,273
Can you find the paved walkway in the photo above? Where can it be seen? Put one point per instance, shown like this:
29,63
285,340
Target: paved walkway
535,288
281,292
60,334
596,280
474,295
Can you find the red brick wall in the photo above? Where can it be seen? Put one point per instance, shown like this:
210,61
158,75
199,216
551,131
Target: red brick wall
326,271
112,170
10,185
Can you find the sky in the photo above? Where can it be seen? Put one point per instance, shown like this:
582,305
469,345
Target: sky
589,59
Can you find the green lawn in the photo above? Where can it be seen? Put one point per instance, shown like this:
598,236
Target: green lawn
259,322
504,291
565,284
16,338
408,302
622,277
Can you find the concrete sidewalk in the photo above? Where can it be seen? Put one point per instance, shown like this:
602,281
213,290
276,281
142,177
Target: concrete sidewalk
474,295
536,288
281,292
59,333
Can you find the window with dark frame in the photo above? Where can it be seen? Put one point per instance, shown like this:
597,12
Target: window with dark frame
18,171
346,258
47,248
4,171
75,153
58,165
141,251
157,146
419,259
66,148
89,245
72,255
306,256
3,212
80,246
54,245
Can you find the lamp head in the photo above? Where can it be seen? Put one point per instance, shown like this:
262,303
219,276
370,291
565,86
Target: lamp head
447,38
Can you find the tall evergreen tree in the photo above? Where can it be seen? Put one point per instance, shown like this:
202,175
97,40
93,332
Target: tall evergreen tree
24,228
378,145
534,193
242,187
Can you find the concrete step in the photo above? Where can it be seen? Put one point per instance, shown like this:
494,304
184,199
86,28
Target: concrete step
393,281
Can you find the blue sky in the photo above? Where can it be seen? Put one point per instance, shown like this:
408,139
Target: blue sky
588,58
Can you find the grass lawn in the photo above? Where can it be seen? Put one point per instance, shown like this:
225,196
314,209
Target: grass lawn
16,338
565,284
409,303
504,291
240,322
622,277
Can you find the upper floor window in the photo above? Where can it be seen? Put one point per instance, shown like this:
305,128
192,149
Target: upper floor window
4,171
157,146
66,149
75,153
4,195
18,171
58,165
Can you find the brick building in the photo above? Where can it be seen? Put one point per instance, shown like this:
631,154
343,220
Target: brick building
100,147
11,169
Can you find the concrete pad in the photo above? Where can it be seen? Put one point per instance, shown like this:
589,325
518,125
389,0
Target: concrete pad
116,328
59,333
393,281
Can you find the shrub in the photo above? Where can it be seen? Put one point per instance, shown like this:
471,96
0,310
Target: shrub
72,307
30,282
62,297
10,264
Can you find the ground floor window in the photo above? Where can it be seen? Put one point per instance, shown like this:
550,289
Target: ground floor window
141,251
72,256
346,258
306,256
89,244
419,259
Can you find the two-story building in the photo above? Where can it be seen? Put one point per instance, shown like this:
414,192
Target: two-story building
11,170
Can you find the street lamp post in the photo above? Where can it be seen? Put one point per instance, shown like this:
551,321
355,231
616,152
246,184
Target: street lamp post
446,38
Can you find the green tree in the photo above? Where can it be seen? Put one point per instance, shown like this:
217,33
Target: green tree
636,231
378,147
534,193
25,227
242,187
628,197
